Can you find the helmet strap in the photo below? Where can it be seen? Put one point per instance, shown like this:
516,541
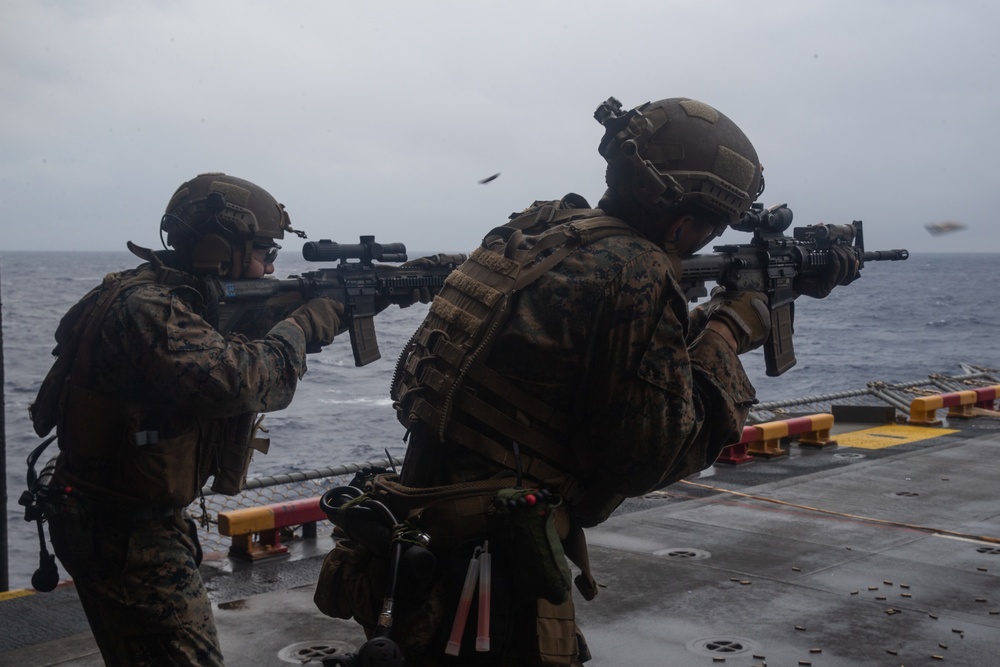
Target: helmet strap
247,255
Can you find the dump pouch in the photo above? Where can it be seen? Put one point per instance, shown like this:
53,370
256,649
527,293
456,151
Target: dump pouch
351,583
522,523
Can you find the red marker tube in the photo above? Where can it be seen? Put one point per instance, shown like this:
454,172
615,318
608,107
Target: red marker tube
483,636
462,614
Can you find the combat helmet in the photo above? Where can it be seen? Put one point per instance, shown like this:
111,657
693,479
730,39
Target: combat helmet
210,214
680,151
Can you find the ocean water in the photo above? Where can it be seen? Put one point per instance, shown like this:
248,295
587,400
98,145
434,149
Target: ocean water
900,321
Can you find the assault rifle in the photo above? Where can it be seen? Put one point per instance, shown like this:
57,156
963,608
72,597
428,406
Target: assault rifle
770,263
252,307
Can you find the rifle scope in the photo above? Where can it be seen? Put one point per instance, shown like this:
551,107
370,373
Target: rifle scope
774,219
367,250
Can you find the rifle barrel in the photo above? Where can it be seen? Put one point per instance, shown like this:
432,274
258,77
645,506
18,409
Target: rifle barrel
886,255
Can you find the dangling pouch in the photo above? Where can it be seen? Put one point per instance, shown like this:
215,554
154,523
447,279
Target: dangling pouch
523,524
559,640
351,581
234,444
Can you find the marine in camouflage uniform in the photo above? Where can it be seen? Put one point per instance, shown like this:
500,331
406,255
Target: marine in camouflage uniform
604,337
594,381
148,396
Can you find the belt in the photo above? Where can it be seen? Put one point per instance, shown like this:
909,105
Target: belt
135,515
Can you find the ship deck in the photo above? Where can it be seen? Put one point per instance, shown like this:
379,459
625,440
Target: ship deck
881,550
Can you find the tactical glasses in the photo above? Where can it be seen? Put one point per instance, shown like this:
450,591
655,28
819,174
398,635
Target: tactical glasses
270,250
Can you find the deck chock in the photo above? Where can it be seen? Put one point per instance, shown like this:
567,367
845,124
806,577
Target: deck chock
737,454
256,531
960,404
812,431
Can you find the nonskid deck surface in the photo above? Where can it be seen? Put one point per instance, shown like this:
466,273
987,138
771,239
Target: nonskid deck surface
862,555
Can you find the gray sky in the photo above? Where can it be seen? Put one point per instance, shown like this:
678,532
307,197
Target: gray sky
380,117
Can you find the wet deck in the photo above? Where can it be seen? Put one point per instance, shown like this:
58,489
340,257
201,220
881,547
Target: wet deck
700,576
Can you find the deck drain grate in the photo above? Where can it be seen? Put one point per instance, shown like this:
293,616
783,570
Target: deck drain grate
313,653
683,553
722,646
906,494
994,551
849,455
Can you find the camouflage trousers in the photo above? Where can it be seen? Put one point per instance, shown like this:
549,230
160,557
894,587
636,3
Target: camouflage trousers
139,584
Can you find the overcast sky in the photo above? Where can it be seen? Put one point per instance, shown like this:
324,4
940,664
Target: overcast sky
381,117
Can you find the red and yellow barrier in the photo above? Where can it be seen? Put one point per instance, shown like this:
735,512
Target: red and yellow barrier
737,454
960,404
266,522
764,440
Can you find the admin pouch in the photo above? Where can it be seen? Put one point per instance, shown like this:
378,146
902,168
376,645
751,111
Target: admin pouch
351,581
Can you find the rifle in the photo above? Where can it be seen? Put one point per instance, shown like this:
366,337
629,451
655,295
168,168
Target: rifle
770,263
252,307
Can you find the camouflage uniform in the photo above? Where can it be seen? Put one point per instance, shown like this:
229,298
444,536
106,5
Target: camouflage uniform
135,565
604,337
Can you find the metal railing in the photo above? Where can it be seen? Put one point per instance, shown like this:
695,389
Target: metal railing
307,484
268,490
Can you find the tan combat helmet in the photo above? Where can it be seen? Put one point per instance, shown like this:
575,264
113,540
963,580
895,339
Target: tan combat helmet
208,215
680,150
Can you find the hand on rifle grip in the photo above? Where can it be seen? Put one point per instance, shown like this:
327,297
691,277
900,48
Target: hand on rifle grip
745,314
319,319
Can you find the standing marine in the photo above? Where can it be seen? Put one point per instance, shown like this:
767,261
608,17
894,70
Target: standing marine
557,373
150,401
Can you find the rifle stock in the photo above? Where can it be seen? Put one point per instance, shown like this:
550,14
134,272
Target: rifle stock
770,263
253,307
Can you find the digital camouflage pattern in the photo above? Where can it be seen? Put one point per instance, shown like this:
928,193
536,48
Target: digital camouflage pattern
135,571
140,588
154,348
606,337
155,341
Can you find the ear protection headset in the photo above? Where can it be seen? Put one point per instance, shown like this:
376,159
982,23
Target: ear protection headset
213,253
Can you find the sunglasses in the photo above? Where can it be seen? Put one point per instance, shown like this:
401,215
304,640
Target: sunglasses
270,250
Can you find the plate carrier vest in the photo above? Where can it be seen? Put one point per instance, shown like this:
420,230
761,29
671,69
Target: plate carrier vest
442,370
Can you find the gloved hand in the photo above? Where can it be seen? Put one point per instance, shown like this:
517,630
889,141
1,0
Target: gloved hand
319,319
423,294
745,314
440,259
843,269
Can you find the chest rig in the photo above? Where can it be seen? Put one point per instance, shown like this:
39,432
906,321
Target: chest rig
442,379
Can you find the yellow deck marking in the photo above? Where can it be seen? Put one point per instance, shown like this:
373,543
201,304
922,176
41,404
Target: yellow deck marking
10,595
889,436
